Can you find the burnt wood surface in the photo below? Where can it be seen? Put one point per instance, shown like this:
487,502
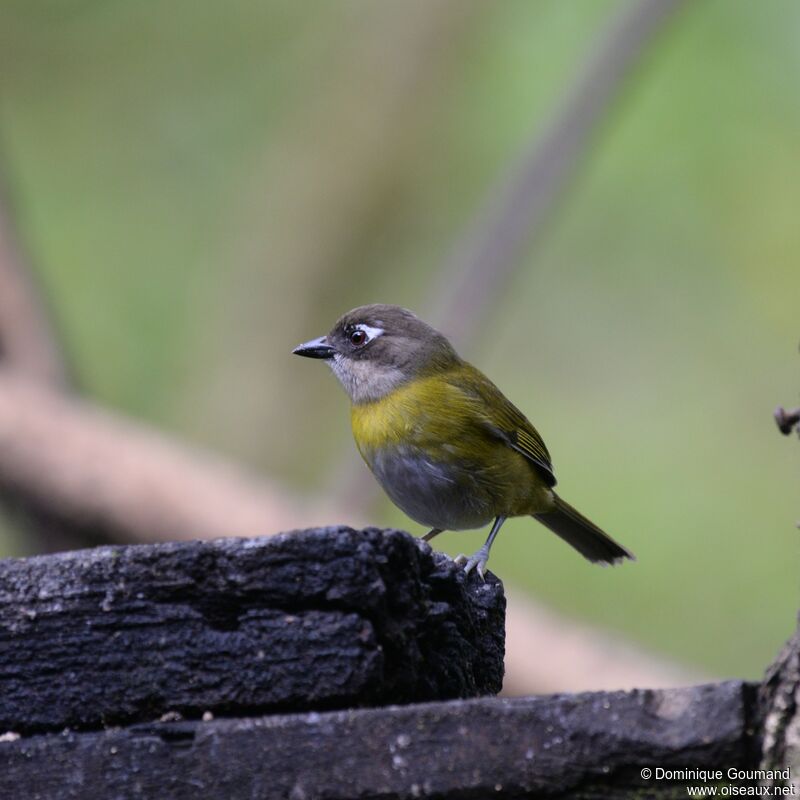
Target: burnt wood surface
779,710
318,619
562,746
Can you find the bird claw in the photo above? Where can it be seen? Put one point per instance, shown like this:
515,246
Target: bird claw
477,561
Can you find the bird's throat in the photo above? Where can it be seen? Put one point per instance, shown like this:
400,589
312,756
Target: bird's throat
365,381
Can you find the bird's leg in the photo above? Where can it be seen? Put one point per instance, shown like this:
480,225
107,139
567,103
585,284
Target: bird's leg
481,558
431,533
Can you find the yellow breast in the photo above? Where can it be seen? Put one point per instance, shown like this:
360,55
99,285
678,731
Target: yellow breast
418,412
443,426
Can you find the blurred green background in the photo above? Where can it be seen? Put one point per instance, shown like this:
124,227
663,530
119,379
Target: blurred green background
201,186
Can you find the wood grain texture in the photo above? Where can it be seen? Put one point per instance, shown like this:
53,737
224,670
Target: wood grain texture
561,746
324,618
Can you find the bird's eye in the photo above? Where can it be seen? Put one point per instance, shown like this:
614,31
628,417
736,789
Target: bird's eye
358,337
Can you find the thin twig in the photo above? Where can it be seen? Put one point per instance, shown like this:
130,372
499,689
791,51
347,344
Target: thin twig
787,420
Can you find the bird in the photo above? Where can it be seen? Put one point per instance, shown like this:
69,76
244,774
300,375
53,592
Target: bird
446,445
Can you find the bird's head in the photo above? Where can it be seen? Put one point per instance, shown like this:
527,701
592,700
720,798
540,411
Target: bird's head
374,349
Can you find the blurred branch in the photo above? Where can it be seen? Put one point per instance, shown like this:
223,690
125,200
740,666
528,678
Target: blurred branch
483,263
92,470
30,347
28,343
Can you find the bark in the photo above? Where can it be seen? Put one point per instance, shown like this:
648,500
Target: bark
561,746
325,618
779,710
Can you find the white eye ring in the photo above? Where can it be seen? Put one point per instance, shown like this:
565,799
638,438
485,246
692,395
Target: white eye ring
370,332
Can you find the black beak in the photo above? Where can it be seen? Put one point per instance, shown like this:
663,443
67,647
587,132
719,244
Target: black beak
316,348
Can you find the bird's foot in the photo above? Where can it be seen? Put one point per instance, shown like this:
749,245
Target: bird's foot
476,561
431,533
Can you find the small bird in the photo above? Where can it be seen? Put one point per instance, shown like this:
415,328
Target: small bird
442,440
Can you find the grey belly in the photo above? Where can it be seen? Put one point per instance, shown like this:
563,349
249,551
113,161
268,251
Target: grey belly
430,492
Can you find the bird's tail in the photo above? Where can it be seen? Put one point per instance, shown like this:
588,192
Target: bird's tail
582,534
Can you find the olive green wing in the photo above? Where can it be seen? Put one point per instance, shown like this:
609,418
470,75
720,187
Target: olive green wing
503,420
